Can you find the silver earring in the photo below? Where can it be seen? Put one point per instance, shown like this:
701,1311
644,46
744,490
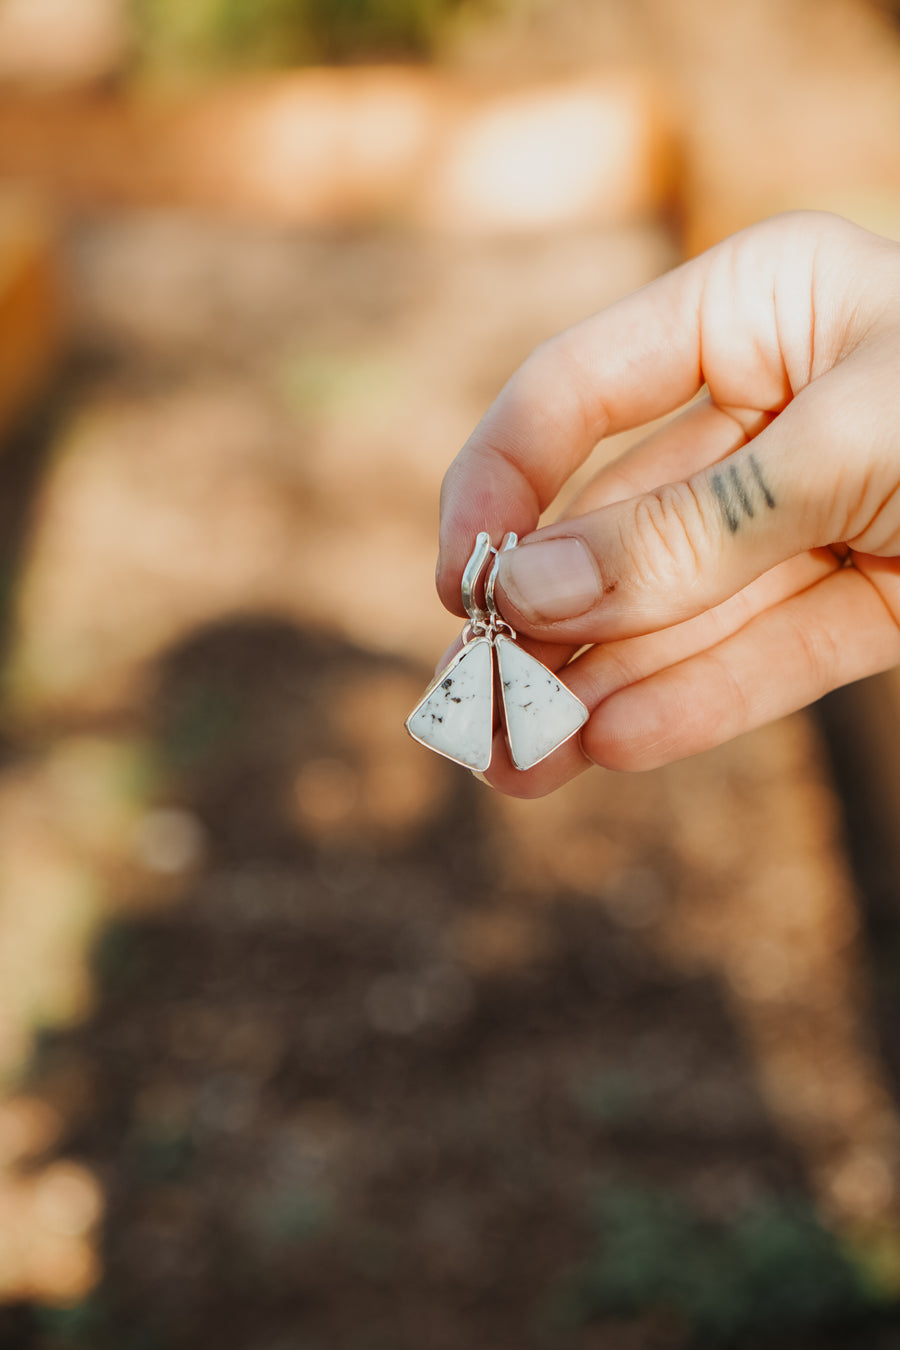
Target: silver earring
455,715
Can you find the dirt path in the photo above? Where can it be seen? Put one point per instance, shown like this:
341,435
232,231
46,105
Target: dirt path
340,1050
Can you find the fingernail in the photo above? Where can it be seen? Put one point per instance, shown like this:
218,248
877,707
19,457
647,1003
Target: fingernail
552,579
480,776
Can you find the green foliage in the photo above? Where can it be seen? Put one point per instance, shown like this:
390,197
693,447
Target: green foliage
614,1096
207,721
774,1270
215,34
163,1152
117,958
290,1216
91,1325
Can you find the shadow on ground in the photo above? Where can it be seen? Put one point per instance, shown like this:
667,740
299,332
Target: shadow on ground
339,1095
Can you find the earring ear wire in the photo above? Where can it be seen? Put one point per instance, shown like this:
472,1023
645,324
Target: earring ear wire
494,614
472,572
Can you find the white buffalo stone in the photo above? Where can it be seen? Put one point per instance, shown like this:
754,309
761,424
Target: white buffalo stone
540,712
456,714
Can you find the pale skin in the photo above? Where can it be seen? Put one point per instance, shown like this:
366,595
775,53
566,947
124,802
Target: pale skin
744,558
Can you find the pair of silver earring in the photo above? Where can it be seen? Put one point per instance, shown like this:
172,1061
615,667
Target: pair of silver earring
455,715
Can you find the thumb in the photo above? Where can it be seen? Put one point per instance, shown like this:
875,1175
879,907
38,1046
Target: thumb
664,556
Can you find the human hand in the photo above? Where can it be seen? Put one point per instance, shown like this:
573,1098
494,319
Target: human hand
743,559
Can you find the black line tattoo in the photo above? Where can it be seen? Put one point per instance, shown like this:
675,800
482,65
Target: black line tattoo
757,474
737,484
733,493
732,520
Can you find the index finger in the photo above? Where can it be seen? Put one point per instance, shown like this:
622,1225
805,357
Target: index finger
634,361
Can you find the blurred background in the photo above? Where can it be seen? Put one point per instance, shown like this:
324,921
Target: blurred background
308,1041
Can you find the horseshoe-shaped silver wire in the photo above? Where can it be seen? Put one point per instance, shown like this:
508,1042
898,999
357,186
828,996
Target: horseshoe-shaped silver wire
473,570
494,614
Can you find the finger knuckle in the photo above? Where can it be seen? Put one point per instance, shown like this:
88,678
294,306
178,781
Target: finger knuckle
820,653
669,535
621,745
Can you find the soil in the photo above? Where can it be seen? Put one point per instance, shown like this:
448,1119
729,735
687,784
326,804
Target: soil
355,1054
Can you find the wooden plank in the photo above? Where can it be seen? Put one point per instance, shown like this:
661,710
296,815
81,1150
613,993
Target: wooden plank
30,305
344,147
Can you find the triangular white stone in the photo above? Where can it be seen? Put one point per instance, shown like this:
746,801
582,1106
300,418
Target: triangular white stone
540,711
456,714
